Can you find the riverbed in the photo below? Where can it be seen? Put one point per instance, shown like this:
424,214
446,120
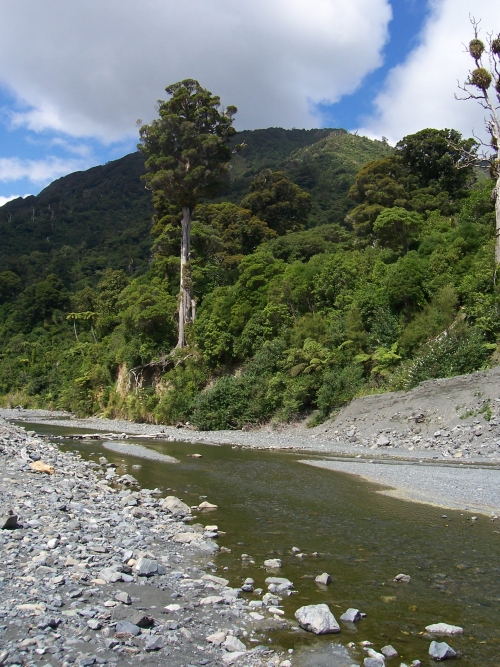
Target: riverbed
270,505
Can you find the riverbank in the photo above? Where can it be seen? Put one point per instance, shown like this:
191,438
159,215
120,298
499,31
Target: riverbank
96,570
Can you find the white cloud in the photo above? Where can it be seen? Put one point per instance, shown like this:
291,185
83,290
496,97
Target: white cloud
4,200
38,171
91,68
419,93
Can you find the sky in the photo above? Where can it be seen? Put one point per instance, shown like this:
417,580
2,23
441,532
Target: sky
75,76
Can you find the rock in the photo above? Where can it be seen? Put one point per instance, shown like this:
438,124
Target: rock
176,506
351,615
444,629
212,599
229,658
53,543
146,567
215,580
40,466
187,538
317,618
8,521
170,608
153,643
373,662
94,624
324,579
441,651
233,644
279,581
126,627
273,563
270,600
217,638
205,505
389,651
383,441
123,597
110,575
141,619
375,655
402,578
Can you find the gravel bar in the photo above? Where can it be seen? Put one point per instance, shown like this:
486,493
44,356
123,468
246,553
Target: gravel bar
139,451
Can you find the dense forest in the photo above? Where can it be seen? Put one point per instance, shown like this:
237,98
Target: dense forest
331,266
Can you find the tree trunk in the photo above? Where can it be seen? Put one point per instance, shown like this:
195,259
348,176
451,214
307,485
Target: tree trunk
496,195
186,302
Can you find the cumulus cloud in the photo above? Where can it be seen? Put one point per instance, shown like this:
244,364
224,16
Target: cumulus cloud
4,200
91,68
38,171
420,92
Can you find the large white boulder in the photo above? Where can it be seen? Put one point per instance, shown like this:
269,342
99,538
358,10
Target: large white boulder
317,618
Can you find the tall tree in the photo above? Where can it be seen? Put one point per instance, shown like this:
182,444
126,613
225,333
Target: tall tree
478,86
187,157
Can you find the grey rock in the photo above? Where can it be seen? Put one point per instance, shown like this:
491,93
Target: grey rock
317,618
128,628
141,619
351,615
123,597
389,651
234,644
383,441
441,651
110,575
146,567
372,662
402,578
274,563
176,506
323,579
94,624
270,600
153,643
279,581
8,521
444,629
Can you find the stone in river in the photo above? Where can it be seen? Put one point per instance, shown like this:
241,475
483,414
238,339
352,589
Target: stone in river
389,651
212,599
317,618
372,662
126,627
273,563
441,651
270,600
279,581
205,505
323,579
444,629
351,615
402,578
8,521
176,506
233,644
146,567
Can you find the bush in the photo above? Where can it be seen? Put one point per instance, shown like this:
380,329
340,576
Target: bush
339,387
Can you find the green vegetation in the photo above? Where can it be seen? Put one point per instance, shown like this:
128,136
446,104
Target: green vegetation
333,266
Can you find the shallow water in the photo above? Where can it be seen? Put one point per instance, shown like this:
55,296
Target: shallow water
269,503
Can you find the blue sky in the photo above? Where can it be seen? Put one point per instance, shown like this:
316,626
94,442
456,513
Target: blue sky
74,77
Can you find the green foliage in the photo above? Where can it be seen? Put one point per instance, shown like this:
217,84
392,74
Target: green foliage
279,202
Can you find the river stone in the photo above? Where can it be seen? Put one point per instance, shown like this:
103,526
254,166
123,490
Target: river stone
212,599
389,651
279,581
128,628
146,567
273,563
217,638
444,629
323,579
270,600
351,615
383,441
215,580
176,506
110,575
123,597
141,619
8,521
205,505
153,643
441,651
402,578
317,618
186,538
373,662
233,644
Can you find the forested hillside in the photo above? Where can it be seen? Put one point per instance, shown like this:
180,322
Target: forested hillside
331,266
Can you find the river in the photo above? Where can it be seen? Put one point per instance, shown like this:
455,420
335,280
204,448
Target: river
269,503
